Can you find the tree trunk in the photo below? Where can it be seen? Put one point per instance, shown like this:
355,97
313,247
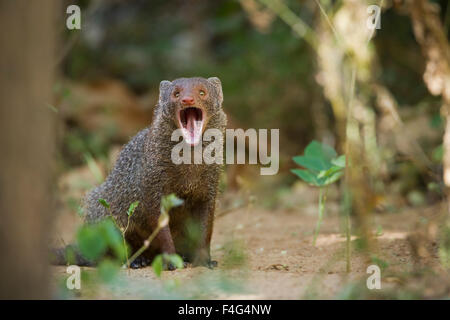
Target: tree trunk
430,34
27,142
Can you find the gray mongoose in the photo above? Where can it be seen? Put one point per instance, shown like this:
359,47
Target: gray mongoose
144,172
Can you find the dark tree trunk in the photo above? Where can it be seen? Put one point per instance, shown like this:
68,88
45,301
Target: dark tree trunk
27,145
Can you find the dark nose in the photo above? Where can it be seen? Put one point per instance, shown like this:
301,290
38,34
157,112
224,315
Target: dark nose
188,100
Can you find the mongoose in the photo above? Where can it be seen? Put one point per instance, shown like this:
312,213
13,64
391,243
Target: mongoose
144,172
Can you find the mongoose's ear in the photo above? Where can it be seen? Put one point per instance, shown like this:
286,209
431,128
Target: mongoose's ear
218,85
164,86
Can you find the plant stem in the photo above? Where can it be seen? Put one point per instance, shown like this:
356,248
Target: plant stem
124,242
322,199
347,178
123,233
347,231
144,246
292,20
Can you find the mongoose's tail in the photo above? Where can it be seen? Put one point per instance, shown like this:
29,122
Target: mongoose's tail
68,255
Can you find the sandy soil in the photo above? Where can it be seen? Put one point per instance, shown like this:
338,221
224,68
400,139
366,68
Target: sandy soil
269,255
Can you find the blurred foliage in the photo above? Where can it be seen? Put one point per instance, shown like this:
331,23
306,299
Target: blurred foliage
103,243
94,240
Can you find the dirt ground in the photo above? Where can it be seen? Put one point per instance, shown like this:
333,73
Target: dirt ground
269,255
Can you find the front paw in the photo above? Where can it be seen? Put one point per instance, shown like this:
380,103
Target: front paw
170,266
211,264
140,262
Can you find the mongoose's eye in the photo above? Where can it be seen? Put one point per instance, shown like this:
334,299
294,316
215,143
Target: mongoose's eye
202,93
176,94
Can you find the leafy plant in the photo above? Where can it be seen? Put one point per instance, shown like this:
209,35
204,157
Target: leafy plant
170,201
323,167
130,212
108,270
94,240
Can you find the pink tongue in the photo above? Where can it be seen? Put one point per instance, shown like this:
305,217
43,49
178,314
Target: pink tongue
193,129
190,125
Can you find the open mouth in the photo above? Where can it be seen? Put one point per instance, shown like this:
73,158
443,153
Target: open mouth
191,124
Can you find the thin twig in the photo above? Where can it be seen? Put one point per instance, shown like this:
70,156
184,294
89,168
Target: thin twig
336,34
124,242
292,20
347,168
145,245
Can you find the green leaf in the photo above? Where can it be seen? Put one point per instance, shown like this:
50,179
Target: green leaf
157,265
339,161
104,203
329,172
113,238
320,150
91,242
132,208
170,201
108,270
322,163
306,176
312,163
333,178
